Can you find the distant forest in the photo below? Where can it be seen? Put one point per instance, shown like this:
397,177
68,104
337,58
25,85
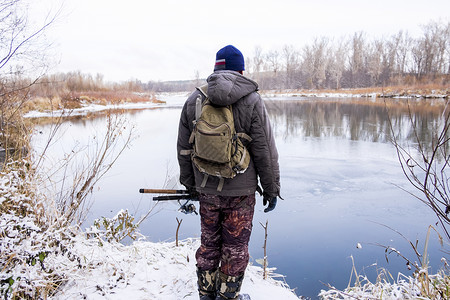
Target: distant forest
325,63
357,61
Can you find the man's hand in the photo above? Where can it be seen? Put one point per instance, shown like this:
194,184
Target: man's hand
193,193
272,203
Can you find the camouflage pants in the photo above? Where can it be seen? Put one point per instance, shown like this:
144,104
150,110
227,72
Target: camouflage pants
226,224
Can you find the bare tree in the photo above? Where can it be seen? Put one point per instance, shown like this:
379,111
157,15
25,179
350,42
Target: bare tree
389,59
402,56
197,80
315,62
22,51
357,59
273,61
257,61
21,44
375,61
430,51
447,50
337,62
273,66
418,54
290,56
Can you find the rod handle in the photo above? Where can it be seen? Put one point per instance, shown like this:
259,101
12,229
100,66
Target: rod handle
162,191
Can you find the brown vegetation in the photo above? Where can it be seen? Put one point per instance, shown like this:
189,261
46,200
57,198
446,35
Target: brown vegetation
73,90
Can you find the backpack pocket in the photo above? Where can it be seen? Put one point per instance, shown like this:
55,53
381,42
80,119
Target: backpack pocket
240,158
213,143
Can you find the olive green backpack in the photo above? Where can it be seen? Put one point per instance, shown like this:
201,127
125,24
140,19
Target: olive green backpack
217,148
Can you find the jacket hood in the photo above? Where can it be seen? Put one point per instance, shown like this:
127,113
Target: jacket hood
227,87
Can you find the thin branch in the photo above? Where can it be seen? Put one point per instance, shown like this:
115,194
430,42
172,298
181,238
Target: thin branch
178,229
13,49
265,250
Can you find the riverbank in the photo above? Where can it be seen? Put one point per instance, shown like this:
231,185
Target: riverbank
77,102
149,101
426,92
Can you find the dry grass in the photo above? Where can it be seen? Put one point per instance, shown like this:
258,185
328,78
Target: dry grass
114,97
109,97
42,104
14,129
420,285
75,100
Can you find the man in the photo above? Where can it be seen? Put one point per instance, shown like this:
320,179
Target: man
227,212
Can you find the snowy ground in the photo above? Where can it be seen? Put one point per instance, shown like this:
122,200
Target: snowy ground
148,270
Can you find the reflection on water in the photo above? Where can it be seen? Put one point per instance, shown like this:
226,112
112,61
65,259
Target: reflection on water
339,177
358,120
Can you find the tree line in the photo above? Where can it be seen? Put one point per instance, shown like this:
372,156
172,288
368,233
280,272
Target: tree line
64,84
357,61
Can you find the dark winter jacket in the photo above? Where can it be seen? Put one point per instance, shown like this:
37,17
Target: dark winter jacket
250,117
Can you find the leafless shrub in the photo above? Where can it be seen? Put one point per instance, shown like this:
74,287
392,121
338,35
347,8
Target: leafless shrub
426,166
75,176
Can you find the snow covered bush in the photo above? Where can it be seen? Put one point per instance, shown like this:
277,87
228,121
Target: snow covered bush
35,250
420,285
404,287
122,225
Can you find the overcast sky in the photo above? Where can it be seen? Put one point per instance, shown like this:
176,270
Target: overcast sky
172,39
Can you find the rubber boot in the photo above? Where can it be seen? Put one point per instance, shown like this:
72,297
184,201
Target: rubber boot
228,287
240,297
207,284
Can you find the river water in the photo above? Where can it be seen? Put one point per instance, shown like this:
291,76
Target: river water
341,182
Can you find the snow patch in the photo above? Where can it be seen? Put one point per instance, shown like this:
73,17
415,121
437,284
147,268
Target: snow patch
146,270
90,108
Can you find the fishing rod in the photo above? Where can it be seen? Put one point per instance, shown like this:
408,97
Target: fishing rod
186,207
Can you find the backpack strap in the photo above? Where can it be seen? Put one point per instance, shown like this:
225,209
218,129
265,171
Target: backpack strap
198,102
205,179
198,107
198,110
244,136
221,182
186,152
203,89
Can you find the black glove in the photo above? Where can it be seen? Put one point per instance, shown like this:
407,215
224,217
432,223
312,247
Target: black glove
193,194
272,203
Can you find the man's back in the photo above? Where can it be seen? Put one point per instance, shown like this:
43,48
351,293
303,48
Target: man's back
250,117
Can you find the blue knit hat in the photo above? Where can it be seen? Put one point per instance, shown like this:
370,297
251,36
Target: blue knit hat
229,58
